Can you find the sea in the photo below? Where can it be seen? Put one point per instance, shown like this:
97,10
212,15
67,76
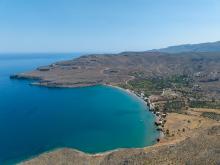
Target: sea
35,119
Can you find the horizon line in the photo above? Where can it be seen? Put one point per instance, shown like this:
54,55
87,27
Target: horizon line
99,52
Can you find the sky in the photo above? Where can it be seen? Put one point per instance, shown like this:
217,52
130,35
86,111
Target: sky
105,25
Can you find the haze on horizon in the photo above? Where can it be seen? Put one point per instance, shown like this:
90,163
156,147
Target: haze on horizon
105,26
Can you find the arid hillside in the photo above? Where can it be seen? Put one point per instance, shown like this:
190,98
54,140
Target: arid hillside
202,69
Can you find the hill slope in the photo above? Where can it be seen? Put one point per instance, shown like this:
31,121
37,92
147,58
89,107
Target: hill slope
203,47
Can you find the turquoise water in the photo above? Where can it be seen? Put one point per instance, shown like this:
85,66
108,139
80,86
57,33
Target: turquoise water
93,119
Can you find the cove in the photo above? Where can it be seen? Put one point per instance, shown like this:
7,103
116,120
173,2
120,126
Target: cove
95,119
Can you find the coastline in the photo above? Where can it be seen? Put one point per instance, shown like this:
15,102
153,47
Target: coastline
164,139
101,154
141,96
147,102
197,141
169,143
126,90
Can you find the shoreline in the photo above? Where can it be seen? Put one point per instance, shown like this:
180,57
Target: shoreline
146,100
141,97
148,104
105,152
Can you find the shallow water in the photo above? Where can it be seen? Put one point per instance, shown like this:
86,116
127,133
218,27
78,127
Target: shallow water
93,119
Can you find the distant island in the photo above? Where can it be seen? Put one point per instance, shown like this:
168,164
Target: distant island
180,84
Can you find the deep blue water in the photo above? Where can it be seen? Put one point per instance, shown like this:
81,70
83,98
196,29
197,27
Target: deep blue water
93,119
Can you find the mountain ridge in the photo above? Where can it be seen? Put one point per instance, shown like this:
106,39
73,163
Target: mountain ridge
201,47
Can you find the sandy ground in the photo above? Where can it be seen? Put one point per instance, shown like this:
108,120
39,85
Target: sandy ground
181,126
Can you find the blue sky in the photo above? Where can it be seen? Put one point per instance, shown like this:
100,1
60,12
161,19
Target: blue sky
105,25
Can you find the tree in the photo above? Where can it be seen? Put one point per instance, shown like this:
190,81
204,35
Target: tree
213,99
